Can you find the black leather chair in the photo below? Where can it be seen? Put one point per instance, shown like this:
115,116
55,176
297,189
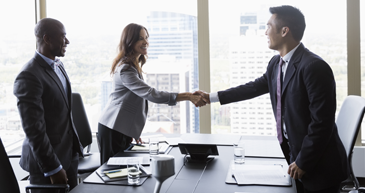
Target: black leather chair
349,123
91,161
9,183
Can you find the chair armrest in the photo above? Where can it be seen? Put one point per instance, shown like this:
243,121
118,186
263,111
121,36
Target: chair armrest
64,187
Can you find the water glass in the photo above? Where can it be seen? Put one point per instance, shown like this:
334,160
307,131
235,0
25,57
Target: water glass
239,153
133,171
154,146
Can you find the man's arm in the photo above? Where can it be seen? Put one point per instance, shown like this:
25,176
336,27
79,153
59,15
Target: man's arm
235,94
320,86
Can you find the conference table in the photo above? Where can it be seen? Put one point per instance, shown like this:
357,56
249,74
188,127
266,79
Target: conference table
202,178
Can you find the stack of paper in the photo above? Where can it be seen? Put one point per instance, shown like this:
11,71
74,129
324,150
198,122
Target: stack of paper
122,160
260,174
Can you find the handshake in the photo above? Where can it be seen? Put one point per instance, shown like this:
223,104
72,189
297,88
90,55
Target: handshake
200,98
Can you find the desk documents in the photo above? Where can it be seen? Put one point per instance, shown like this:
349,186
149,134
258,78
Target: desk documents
122,161
263,174
163,148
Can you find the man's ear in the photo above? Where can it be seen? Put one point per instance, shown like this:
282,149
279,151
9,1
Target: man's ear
46,39
284,31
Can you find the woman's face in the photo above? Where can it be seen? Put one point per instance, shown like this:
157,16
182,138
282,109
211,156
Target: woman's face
140,47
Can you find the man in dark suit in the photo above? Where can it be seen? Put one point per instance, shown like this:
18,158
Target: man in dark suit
304,105
51,146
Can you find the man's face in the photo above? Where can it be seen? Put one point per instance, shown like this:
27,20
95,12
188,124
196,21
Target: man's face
58,41
273,34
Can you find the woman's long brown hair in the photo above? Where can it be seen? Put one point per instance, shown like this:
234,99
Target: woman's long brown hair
130,36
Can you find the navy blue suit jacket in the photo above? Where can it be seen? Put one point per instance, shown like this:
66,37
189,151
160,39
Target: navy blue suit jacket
308,110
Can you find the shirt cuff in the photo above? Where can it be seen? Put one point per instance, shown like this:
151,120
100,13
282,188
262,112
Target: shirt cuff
213,97
47,174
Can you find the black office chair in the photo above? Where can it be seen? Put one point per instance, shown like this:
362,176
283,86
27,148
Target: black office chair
349,123
91,161
9,183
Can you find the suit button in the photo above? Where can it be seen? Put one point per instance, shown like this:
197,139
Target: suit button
70,132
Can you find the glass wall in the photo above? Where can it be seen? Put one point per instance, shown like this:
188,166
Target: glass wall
239,54
17,46
362,36
94,33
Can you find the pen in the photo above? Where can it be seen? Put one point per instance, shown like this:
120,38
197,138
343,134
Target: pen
112,171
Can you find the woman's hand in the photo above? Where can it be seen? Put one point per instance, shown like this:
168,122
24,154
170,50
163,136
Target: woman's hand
197,100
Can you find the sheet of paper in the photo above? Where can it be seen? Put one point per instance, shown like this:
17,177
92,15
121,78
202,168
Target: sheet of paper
122,160
174,141
260,174
145,147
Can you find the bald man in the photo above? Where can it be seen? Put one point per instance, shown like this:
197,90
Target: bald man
51,146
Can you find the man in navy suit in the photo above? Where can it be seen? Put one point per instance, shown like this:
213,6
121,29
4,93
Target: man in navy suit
307,103
51,146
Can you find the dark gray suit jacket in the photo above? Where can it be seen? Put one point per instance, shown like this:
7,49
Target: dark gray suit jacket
308,109
45,112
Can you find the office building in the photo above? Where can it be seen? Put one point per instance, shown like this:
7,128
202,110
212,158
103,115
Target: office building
170,119
174,35
249,57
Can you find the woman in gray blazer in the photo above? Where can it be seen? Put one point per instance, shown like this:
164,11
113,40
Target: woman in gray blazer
125,114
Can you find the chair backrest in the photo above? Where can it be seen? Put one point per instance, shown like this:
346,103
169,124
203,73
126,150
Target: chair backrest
349,121
80,120
8,181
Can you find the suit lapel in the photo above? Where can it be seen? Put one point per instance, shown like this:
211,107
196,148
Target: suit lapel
275,76
53,76
292,67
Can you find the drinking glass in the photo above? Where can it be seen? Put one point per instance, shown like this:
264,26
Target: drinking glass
133,171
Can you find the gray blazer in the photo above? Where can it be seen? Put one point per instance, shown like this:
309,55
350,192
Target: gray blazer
126,110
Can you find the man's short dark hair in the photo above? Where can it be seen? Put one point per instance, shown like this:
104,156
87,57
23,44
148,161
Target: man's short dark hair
291,17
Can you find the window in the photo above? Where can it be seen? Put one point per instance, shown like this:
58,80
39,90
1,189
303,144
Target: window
241,29
362,36
17,46
94,34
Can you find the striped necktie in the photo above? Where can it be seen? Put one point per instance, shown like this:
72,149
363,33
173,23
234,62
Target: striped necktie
278,103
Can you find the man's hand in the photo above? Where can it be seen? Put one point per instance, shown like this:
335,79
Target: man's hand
204,95
197,100
59,177
295,172
138,141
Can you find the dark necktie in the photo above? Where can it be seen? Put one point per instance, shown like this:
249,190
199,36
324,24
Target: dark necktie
278,102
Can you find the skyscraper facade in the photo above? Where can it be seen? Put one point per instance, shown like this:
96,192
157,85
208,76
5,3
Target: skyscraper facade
249,56
174,36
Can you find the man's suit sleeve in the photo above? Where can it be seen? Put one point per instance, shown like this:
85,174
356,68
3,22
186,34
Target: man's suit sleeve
321,90
244,92
29,90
